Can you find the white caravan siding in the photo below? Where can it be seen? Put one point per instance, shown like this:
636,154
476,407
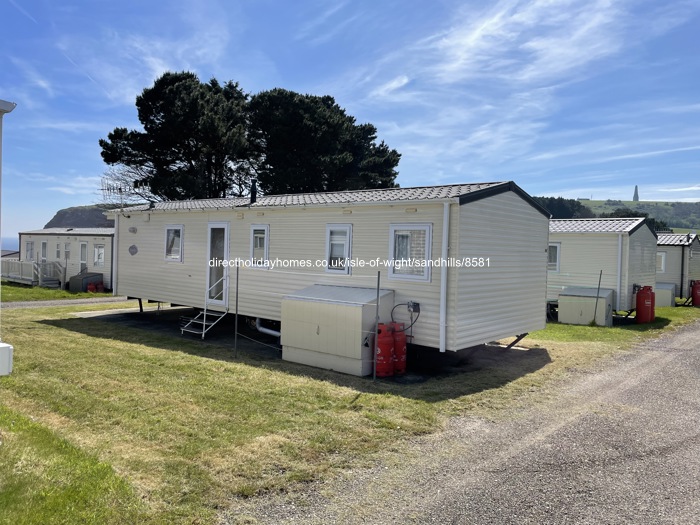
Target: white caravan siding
294,234
507,297
641,263
483,304
142,270
582,256
72,264
672,270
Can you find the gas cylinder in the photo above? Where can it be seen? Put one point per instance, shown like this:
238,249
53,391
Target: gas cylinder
399,348
695,293
385,351
645,305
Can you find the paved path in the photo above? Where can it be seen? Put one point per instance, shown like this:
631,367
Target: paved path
618,446
62,302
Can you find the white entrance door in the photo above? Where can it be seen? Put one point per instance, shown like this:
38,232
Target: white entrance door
217,277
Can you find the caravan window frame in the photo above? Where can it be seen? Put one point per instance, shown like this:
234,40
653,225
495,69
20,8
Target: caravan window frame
169,252
557,263
263,262
410,272
663,262
343,269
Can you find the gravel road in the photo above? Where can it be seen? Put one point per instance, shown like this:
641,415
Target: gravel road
619,445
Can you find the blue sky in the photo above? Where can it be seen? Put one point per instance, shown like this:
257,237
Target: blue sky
567,98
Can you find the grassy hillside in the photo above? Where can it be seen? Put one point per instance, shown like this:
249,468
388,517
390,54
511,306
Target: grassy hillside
675,214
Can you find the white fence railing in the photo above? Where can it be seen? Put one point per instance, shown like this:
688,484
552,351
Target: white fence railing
31,272
20,270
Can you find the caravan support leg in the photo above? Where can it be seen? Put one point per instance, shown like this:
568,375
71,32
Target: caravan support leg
517,340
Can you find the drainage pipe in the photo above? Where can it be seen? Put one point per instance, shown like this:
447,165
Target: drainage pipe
260,328
680,294
619,270
443,275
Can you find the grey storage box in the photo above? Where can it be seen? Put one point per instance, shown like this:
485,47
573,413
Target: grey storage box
79,283
583,305
665,294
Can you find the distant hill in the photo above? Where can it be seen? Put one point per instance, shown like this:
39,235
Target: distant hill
82,217
675,214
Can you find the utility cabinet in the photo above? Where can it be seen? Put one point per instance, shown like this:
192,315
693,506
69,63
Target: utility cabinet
332,327
5,359
583,305
665,294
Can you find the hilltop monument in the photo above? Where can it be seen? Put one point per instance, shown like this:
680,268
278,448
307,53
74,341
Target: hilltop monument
636,194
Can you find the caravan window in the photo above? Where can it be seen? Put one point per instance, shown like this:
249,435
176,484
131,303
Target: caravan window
409,250
553,257
338,239
99,259
173,242
660,262
259,245
29,250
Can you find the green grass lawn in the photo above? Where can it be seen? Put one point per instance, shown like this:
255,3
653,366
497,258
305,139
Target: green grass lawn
12,292
104,425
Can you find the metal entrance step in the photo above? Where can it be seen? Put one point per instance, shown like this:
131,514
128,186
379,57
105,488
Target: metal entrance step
202,322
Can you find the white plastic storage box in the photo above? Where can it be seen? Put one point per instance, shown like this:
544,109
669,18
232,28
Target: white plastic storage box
665,294
331,327
5,359
583,305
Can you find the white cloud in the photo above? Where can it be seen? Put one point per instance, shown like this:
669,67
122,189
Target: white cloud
645,154
78,186
23,11
319,28
123,62
390,87
70,126
695,187
487,85
33,75
527,41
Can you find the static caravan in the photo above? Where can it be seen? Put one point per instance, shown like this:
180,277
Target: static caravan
465,263
624,250
67,252
678,261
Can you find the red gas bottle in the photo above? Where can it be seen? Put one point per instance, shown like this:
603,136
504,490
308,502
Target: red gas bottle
385,352
695,294
399,348
645,305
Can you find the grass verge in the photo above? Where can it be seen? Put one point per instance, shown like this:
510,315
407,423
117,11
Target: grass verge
169,430
12,292
46,479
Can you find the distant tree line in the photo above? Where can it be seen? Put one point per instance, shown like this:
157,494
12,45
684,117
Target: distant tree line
208,140
561,208
654,224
